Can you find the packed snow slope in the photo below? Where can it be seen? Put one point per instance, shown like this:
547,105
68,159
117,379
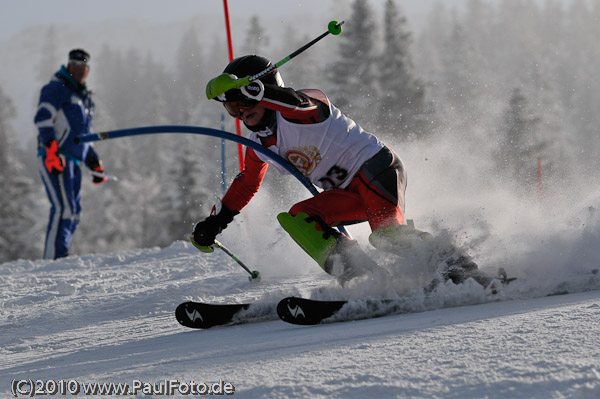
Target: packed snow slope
110,319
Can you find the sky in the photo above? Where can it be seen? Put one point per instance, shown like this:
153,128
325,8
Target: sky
22,14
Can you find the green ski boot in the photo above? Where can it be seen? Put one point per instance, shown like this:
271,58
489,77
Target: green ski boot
398,239
337,255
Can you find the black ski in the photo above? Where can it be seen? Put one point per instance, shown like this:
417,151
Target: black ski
294,310
206,315
306,311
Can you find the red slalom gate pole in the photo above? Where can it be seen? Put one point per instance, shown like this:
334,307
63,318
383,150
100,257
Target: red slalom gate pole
539,178
228,28
238,126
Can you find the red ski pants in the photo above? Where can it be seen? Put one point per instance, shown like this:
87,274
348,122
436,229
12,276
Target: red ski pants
375,194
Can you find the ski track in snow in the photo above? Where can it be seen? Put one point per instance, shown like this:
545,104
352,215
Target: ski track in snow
110,318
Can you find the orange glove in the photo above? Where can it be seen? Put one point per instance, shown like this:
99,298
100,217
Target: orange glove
53,161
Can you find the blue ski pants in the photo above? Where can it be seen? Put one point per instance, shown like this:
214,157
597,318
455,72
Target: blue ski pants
64,193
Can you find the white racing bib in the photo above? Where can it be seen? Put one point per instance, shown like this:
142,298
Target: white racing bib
328,153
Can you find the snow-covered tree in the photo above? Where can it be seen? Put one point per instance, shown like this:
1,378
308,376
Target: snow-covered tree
577,66
353,73
429,42
190,78
305,71
16,200
461,82
49,62
257,41
195,184
402,104
518,148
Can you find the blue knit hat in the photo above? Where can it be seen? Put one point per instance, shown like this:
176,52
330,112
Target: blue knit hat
79,56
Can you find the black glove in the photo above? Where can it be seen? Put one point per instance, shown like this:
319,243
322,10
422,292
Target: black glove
206,231
96,166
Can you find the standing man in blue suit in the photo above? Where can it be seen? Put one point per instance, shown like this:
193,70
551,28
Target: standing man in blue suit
65,110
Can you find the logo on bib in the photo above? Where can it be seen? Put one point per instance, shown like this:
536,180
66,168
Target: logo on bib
305,159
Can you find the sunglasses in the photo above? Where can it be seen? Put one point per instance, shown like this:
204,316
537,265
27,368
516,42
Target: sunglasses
235,107
78,63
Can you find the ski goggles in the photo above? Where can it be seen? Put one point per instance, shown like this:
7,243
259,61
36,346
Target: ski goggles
235,107
79,63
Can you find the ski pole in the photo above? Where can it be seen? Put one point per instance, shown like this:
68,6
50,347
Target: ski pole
103,175
254,274
223,82
334,27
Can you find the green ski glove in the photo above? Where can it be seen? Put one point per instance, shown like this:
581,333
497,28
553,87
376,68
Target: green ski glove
216,87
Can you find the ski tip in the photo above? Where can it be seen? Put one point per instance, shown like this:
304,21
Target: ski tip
190,314
201,315
185,316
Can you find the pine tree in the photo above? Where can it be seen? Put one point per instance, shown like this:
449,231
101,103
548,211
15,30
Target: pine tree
431,40
518,148
579,85
304,72
460,77
557,144
18,192
257,41
195,181
190,78
123,214
352,75
49,62
402,102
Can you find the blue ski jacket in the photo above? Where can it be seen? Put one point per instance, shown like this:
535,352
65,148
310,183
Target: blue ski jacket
65,110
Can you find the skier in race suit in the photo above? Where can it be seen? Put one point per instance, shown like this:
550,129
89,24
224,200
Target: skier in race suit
362,179
65,110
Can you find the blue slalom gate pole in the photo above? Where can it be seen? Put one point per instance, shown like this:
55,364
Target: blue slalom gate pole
206,131
223,159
